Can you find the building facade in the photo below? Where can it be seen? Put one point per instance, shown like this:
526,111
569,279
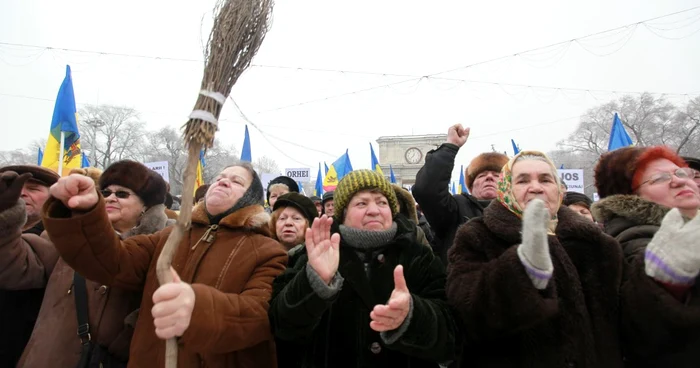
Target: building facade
406,155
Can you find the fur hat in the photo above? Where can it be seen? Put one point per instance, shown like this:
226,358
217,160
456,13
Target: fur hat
577,198
286,180
40,174
620,171
359,180
92,172
487,161
146,183
407,205
305,205
693,162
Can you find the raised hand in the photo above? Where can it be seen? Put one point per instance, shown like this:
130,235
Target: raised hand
457,135
11,188
534,250
389,316
172,308
323,249
76,191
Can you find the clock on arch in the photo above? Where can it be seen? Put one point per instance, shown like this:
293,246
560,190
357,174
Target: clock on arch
413,155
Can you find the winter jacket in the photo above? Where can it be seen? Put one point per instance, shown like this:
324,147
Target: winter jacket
54,340
508,322
445,212
335,332
19,309
659,330
231,273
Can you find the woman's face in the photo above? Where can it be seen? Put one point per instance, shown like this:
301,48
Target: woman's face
535,179
277,191
661,184
228,187
368,210
291,227
124,207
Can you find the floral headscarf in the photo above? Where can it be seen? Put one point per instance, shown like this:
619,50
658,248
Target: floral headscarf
505,187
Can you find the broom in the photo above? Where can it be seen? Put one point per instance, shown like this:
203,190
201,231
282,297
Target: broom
239,28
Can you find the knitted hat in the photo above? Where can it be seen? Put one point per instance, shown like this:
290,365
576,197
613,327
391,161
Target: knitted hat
327,196
359,180
40,174
488,161
146,183
286,180
620,171
92,172
576,198
300,202
693,162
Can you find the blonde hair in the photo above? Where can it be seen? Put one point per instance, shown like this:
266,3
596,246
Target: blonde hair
277,186
275,215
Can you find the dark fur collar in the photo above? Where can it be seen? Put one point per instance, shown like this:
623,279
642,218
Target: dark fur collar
634,208
252,218
508,226
13,218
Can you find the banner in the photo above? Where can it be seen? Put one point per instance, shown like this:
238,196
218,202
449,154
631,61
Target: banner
161,167
573,178
299,174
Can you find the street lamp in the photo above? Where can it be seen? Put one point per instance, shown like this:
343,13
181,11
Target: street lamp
94,123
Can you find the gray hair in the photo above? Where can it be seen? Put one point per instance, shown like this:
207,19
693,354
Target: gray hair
531,157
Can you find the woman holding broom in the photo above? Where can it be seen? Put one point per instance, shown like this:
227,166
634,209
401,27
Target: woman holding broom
216,306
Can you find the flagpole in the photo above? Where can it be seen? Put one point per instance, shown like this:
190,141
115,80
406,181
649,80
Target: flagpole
60,154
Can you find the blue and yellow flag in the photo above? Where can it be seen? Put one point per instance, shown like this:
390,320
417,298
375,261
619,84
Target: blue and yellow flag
392,178
318,189
63,123
462,184
375,162
199,181
336,172
618,135
454,191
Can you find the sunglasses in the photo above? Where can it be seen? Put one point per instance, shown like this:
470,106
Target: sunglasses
119,193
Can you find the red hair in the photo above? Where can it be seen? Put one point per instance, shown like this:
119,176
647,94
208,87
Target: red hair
651,154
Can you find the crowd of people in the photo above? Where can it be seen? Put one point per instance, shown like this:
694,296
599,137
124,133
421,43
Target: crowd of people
517,272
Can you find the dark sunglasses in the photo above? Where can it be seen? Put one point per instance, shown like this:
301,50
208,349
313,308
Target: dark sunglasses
120,193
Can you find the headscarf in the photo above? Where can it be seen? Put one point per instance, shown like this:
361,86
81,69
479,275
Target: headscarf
505,188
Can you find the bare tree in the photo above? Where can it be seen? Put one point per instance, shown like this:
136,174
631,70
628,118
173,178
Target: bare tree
265,164
110,133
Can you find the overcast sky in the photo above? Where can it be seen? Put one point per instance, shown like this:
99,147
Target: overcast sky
389,38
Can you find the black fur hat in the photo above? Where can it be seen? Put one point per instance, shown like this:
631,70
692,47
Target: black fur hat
146,183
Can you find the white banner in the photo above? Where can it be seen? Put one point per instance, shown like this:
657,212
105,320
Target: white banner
299,174
161,167
573,178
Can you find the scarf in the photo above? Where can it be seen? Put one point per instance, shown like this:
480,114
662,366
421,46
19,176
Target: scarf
505,188
252,196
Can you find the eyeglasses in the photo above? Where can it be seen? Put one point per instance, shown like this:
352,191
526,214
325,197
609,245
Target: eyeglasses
665,177
119,193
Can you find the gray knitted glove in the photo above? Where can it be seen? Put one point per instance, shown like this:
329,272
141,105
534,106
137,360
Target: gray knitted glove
673,254
534,251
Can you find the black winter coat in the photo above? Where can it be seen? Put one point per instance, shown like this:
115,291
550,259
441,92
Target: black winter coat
658,330
508,322
445,212
335,333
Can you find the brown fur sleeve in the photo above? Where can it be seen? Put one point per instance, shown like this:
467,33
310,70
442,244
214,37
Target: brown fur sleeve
489,287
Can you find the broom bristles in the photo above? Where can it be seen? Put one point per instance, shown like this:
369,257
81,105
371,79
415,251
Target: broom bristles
238,31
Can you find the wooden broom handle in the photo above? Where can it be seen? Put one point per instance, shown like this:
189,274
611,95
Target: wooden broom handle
181,225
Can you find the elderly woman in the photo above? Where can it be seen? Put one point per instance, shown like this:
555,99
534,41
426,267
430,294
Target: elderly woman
648,199
534,283
223,270
134,196
292,214
279,186
369,295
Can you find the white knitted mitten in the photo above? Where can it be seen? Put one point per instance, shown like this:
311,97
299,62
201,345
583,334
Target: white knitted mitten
673,254
534,251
